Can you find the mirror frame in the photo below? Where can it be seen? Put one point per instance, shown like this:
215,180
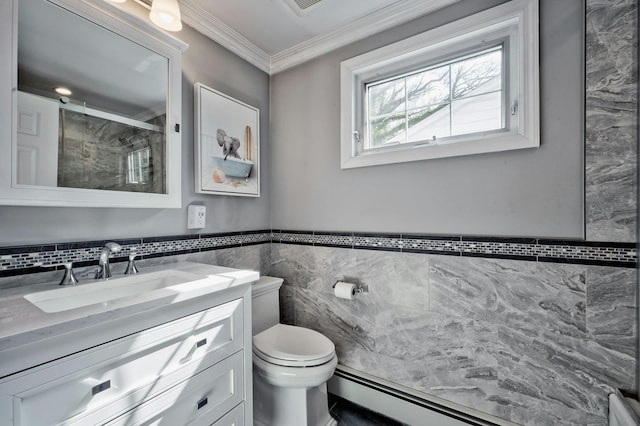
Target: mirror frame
130,22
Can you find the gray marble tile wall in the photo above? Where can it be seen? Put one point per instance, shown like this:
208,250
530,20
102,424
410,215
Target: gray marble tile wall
93,154
611,119
530,342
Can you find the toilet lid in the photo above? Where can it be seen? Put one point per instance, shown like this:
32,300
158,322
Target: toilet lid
289,345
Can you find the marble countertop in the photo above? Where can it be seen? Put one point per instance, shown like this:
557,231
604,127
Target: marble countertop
21,322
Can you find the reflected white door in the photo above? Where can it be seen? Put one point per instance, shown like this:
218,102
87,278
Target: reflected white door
37,149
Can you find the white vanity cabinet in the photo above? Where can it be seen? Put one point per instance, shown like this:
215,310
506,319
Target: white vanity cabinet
192,369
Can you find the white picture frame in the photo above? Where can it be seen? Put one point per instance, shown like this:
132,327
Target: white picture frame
227,144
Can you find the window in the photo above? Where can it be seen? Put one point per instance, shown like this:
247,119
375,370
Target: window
138,165
455,98
464,88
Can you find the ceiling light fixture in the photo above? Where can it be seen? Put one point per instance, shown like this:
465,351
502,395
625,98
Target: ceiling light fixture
166,14
62,91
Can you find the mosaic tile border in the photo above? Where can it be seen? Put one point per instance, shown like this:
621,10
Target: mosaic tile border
34,258
529,249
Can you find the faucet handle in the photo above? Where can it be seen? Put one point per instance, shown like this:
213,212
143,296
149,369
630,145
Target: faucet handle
131,266
99,272
69,277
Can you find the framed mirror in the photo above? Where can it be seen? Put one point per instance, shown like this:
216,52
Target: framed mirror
91,106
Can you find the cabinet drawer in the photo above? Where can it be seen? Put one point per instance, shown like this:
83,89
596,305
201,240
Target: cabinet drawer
234,417
197,401
98,384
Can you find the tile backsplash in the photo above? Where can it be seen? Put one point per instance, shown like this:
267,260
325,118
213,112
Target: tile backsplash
532,249
32,258
36,258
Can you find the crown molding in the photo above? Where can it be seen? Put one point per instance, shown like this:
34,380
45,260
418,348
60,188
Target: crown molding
207,24
383,19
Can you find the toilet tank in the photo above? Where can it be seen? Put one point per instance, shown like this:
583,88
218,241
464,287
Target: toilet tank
265,304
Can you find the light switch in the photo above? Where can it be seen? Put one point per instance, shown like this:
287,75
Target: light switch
196,217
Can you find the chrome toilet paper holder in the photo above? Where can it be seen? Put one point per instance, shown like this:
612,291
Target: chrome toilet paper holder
362,289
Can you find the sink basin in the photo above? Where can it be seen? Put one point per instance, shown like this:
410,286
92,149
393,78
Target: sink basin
64,299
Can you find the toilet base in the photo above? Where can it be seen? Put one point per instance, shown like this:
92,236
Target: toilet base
283,406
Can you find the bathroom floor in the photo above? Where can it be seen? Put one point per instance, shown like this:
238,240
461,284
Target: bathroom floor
350,414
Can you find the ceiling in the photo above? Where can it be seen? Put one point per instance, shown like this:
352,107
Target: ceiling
276,34
273,26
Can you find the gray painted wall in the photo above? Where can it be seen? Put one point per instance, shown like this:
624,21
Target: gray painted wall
205,62
534,192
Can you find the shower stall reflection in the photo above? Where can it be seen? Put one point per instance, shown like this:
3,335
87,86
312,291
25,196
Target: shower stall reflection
97,153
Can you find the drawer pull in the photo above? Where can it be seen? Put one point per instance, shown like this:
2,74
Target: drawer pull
193,349
101,387
202,403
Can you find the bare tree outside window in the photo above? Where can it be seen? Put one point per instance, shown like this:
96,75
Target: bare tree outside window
455,98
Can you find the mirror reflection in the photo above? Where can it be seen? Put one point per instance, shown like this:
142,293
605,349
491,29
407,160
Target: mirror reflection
91,105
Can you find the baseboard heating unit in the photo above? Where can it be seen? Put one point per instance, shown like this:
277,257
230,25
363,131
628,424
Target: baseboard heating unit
403,404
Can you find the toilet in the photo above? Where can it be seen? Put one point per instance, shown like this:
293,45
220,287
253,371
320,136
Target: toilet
291,365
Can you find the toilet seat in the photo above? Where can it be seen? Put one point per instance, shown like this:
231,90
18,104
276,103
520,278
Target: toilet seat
291,377
292,346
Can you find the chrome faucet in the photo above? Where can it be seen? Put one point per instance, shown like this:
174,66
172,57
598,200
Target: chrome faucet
69,277
104,271
131,266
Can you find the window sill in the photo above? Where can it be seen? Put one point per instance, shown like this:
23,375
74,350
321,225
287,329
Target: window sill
503,142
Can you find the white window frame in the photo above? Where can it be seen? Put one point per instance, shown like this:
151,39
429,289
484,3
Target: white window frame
515,23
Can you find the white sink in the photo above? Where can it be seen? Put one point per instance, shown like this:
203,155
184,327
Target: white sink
64,299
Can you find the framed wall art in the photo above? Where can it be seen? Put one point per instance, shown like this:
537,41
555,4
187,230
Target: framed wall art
227,144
